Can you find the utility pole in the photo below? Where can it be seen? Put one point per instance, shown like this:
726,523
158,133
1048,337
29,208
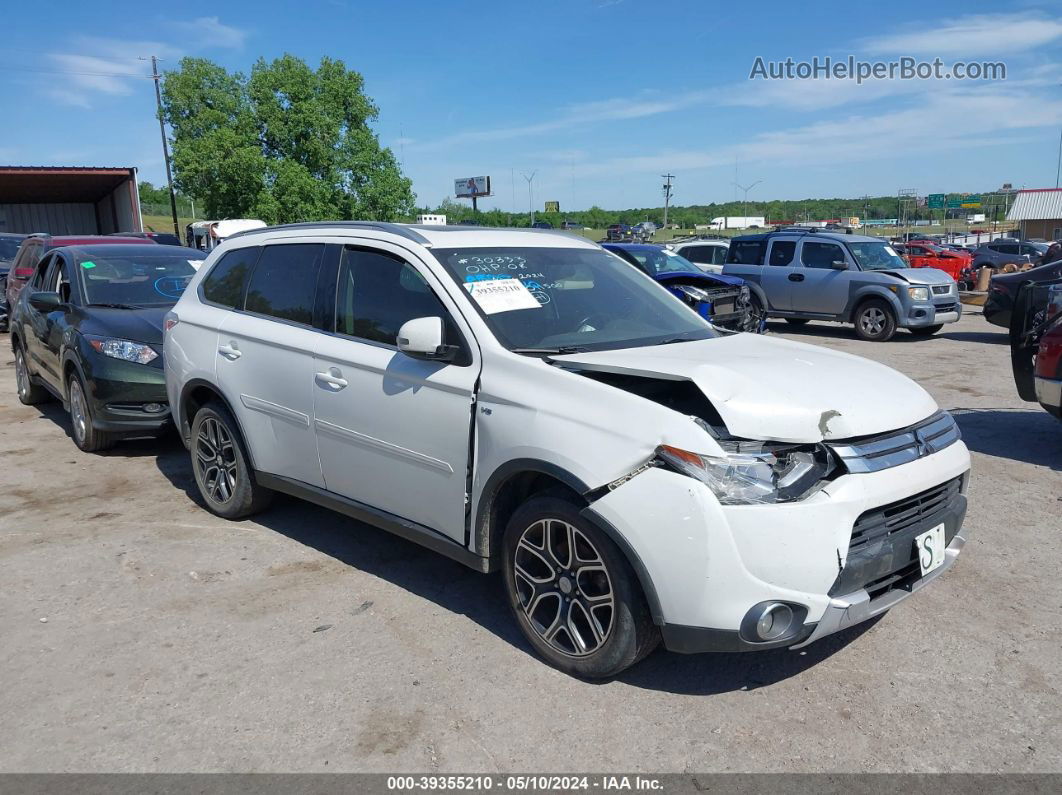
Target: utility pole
165,146
667,194
530,196
745,205
1058,168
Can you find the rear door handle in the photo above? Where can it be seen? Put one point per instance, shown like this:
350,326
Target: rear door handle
230,351
333,378
796,277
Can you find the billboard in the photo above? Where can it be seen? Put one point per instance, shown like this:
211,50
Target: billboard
468,187
552,207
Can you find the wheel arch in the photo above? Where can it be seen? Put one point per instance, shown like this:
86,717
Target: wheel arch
871,293
195,394
516,481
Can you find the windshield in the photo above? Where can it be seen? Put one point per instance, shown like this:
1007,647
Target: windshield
657,261
9,248
137,280
876,256
548,299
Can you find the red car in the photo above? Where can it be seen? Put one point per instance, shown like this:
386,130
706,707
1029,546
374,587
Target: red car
923,254
36,246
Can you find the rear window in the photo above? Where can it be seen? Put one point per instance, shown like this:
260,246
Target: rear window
284,283
227,281
746,252
9,248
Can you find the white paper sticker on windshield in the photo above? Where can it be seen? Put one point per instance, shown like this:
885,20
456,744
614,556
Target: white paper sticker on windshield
195,263
891,251
501,295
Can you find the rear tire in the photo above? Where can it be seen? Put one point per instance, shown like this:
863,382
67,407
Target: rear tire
926,331
874,321
573,593
222,467
29,393
86,437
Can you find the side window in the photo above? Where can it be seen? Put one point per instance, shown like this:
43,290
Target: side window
746,252
1032,251
718,254
227,281
284,282
378,293
820,255
40,275
1007,248
26,261
59,278
699,254
782,252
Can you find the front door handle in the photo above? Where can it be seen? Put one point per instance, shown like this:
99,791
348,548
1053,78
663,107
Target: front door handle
333,378
230,351
796,277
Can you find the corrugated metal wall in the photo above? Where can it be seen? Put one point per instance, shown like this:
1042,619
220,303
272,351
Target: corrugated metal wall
57,219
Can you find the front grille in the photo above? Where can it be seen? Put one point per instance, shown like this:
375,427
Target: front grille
881,553
896,517
875,453
941,289
950,306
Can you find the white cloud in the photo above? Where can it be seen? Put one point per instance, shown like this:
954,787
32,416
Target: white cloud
970,36
207,32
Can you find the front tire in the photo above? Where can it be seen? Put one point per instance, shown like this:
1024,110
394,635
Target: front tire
222,467
572,592
926,331
874,321
86,437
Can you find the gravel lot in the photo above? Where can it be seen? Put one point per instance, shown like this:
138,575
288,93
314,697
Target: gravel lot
140,633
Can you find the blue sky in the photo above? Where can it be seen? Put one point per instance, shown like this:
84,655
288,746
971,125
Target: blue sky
598,97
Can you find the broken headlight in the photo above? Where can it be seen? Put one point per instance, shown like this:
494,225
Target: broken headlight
755,473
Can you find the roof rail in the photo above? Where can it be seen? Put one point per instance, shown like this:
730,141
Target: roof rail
380,226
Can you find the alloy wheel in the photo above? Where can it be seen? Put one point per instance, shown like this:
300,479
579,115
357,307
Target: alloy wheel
873,321
215,459
21,375
78,411
564,587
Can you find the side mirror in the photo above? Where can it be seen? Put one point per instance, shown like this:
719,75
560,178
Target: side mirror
422,338
839,265
45,302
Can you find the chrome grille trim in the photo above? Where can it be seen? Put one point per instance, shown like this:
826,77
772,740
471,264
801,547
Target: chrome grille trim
875,453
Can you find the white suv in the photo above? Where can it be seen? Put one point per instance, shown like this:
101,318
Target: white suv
515,401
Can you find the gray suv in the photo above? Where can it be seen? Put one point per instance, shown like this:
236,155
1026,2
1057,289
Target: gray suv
1004,252
803,275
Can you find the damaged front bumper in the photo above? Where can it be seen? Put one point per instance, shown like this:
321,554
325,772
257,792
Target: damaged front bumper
706,568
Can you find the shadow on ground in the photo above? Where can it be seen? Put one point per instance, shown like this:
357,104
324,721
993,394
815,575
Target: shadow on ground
1030,436
481,598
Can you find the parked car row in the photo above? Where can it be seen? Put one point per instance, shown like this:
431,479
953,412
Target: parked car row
524,403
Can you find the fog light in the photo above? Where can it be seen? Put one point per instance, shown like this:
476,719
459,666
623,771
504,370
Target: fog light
154,408
773,621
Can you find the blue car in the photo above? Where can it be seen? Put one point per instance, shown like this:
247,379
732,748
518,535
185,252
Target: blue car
722,300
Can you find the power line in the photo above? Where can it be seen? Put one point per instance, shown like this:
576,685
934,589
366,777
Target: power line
5,67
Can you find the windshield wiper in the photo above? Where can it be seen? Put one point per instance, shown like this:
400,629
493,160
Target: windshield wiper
117,306
551,351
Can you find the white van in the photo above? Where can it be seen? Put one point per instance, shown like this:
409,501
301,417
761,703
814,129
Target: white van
206,235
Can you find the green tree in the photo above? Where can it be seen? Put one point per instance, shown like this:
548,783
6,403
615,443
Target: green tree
287,143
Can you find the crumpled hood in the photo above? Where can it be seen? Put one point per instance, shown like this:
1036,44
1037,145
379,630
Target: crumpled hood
922,275
769,388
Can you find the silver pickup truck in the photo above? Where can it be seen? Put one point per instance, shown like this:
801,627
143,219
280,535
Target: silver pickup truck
803,275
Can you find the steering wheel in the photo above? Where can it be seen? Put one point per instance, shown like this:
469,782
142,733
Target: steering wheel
590,320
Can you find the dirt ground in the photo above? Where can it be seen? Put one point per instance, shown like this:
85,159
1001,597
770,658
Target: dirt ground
140,633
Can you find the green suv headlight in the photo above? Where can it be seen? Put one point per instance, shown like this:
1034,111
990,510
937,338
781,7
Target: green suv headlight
123,349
